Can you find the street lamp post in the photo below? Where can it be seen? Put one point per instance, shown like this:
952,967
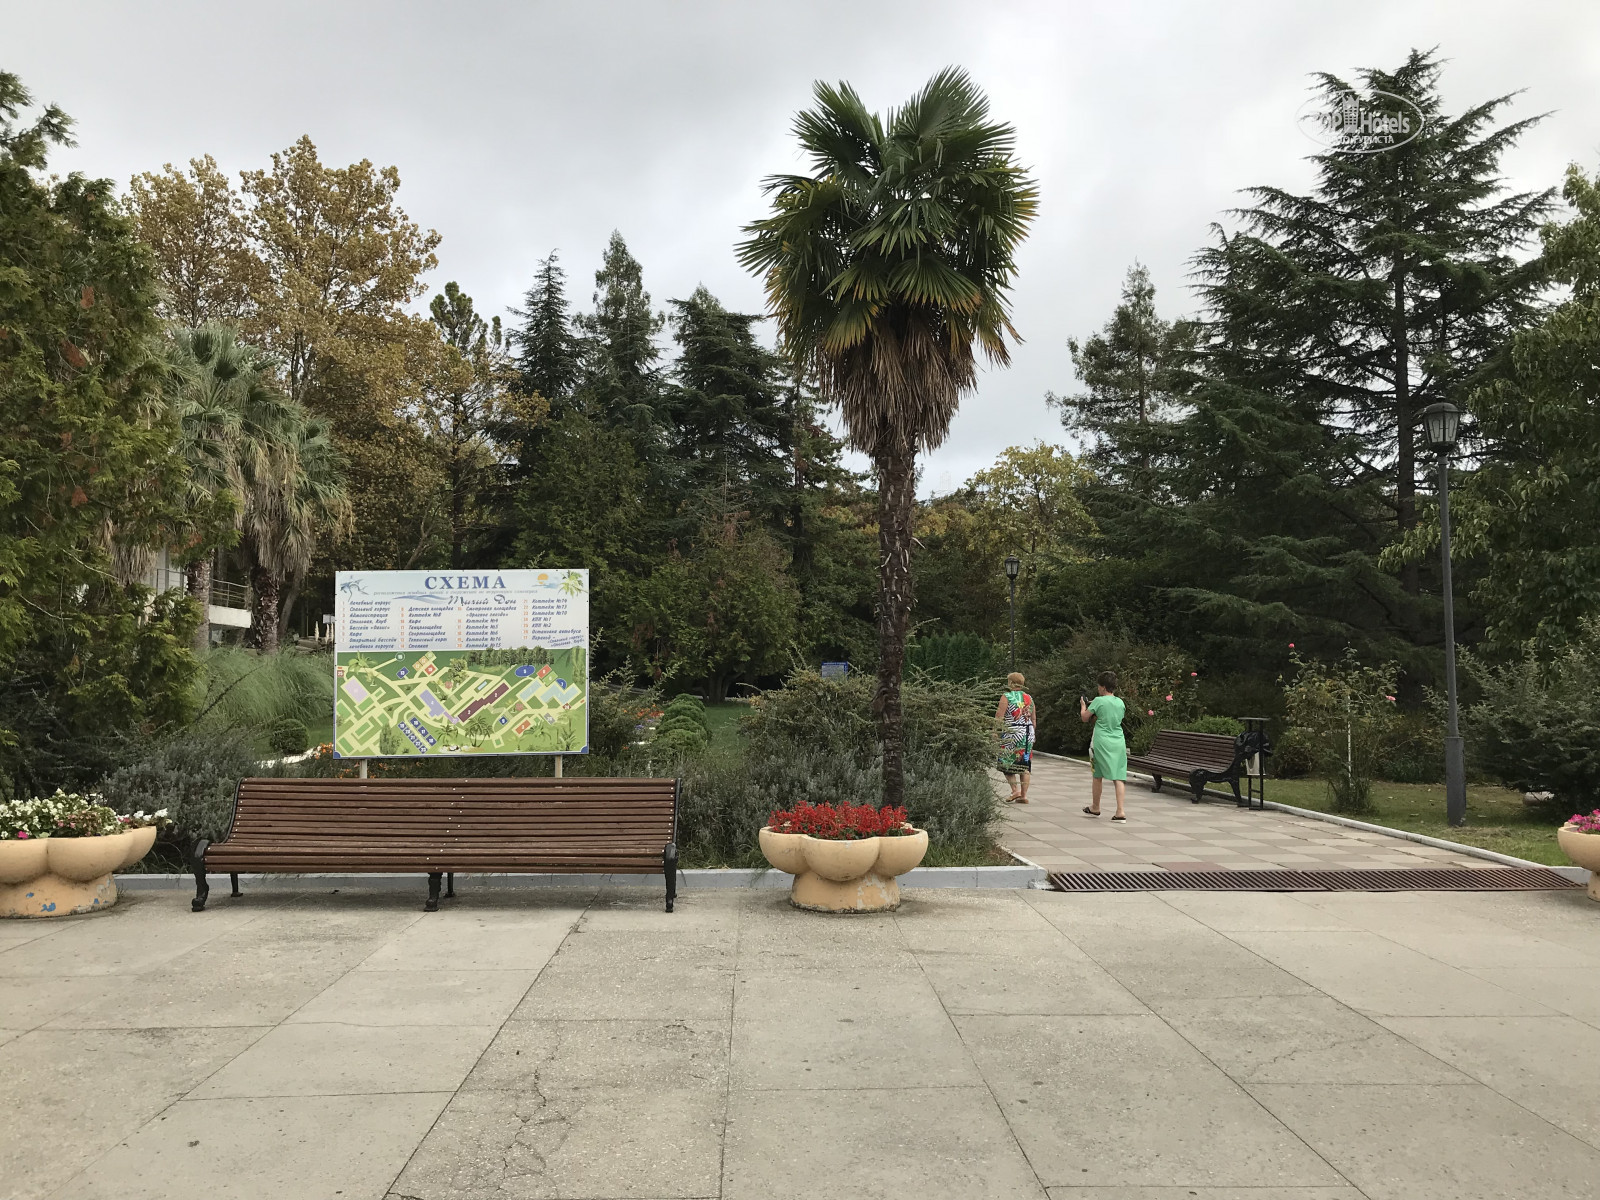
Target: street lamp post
1442,424
1013,569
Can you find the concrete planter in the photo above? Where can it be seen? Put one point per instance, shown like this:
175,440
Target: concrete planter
52,877
846,876
1583,849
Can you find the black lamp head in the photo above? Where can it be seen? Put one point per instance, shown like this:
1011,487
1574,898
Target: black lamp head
1441,424
1013,566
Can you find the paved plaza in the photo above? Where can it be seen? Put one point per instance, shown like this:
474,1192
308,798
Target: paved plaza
292,1045
1166,830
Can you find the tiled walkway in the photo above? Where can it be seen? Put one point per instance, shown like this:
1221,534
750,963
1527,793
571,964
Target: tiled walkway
1168,832
574,1044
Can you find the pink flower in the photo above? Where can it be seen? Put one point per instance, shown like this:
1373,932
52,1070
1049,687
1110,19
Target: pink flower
1149,712
1169,695
1291,645
1390,699
23,833
1194,674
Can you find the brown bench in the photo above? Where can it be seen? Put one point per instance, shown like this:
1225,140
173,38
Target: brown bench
443,826
1199,758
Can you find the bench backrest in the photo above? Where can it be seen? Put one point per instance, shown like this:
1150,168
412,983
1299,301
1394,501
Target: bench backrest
1201,749
433,811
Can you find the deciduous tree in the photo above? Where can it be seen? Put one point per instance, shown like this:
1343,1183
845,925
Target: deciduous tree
195,223
88,453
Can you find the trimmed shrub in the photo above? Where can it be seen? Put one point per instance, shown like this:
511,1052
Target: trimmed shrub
687,709
1293,756
288,735
1212,724
956,658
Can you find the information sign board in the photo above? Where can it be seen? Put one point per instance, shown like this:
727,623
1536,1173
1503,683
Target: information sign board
461,662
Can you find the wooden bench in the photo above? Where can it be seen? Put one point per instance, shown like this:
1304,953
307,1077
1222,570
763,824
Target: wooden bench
1199,758
444,826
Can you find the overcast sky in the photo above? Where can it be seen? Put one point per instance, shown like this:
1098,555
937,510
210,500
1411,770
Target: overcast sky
519,128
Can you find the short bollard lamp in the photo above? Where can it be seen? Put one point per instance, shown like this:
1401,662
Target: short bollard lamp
1441,425
1013,569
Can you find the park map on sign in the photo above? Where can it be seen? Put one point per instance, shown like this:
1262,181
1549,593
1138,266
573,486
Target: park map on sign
462,702
461,663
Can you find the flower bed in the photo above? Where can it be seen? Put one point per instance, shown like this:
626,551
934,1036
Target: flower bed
844,857
58,853
844,821
1585,822
1580,841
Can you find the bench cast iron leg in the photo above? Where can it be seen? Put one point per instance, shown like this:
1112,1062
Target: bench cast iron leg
234,879
1197,784
433,892
1157,780
1237,798
669,868
202,889
450,885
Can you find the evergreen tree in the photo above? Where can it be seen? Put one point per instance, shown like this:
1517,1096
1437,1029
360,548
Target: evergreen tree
1390,285
731,427
546,350
463,401
1133,380
620,379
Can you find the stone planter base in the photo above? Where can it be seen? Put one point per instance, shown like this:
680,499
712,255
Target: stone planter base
1583,849
844,876
55,877
867,893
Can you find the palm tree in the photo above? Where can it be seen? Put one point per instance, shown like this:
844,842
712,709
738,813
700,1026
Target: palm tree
243,436
296,495
233,422
885,267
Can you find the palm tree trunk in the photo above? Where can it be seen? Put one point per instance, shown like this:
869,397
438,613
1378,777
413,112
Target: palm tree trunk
264,620
897,481
199,577
286,603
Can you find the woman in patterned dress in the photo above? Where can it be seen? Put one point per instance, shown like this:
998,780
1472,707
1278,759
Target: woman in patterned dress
1018,730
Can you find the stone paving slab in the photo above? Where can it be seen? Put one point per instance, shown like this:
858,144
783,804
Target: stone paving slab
586,1046
1167,831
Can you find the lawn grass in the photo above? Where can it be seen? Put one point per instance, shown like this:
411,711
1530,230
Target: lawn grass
1497,818
724,721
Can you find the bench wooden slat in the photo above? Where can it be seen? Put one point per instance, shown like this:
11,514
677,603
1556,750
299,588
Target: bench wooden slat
1196,758
440,826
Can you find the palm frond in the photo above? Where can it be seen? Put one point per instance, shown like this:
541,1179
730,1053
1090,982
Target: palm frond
891,264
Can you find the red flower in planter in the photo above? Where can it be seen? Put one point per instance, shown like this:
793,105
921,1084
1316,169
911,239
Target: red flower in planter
840,822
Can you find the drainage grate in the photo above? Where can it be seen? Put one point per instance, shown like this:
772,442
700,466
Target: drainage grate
1404,879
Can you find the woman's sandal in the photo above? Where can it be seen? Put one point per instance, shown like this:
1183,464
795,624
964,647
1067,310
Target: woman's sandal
1093,812
1122,818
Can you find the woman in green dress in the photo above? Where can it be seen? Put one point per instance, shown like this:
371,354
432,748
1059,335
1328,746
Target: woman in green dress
1108,749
